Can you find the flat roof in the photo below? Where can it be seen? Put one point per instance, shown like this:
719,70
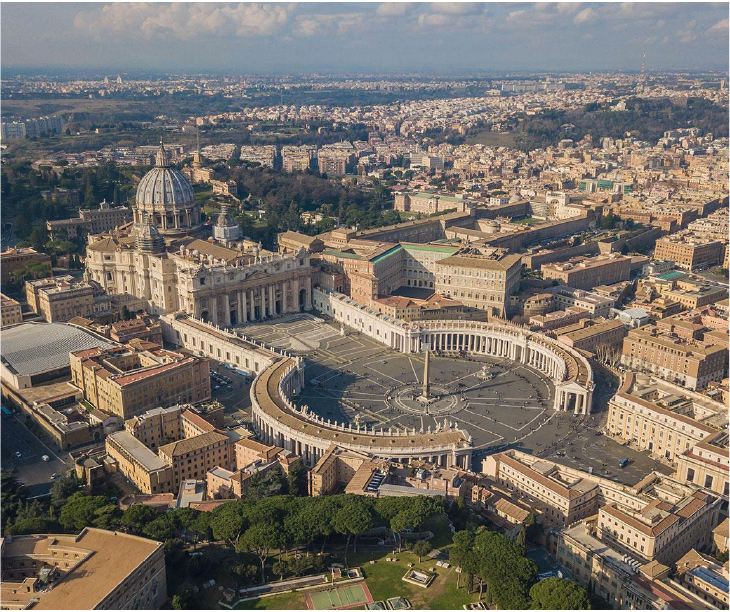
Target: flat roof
114,556
138,450
32,348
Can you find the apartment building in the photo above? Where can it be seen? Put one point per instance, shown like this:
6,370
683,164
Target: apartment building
705,578
11,312
128,381
706,464
16,259
624,582
482,278
94,570
297,159
594,304
147,471
334,470
661,418
157,426
61,299
90,221
691,363
690,251
192,458
678,519
264,155
141,328
588,272
589,334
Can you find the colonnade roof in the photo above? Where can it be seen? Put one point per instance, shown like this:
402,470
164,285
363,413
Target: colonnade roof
266,391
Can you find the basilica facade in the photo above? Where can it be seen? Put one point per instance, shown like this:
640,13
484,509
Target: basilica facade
163,262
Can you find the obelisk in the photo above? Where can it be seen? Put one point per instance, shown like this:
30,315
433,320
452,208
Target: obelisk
426,384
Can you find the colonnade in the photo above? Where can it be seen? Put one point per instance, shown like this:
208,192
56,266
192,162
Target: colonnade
253,304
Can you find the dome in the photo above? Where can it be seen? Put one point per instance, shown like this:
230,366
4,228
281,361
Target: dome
149,239
166,195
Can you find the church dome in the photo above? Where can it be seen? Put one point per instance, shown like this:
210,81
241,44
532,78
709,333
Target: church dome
149,239
165,194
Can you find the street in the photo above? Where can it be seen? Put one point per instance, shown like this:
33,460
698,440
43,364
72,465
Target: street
29,468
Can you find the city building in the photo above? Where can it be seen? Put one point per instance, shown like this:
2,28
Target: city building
127,381
192,457
60,299
430,203
148,472
706,464
35,353
11,312
588,272
589,334
664,419
14,259
94,570
90,221
140,327
689,362
690,251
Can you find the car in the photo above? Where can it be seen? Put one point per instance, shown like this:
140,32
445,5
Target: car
216,388
18,454
229,388
383,361
46,458
623,463
54,476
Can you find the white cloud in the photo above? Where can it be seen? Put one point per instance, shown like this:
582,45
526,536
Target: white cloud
687,34
181,20
328,25
585,16
720,26
457,8
394,9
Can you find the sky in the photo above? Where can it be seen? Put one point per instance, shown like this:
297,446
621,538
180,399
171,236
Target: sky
441,38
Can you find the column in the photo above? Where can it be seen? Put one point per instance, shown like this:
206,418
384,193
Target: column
242,306
295,296
214,309
251,305
262,291
227,306
272,299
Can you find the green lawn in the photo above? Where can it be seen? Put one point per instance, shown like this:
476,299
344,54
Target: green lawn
384,579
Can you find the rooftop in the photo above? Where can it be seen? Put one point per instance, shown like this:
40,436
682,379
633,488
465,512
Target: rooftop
31,348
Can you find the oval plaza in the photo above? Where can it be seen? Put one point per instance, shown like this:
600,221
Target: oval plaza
278,420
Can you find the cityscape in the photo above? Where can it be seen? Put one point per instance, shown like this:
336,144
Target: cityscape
379,306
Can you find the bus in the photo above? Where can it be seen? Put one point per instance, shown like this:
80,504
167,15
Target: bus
6,412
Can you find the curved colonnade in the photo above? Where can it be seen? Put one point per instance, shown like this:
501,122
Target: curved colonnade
278,421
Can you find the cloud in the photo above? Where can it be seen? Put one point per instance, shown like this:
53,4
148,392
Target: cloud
328,25
181,21
720,26
394,9
585,16
457,8
687,34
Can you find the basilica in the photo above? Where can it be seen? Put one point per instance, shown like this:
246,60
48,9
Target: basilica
166,259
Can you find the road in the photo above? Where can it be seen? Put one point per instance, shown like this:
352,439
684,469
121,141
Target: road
29,468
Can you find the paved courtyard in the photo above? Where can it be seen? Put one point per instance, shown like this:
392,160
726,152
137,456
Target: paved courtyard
351,378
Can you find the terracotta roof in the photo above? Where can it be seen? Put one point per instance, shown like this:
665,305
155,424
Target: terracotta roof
189,445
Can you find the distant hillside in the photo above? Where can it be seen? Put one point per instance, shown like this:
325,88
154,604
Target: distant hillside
645,119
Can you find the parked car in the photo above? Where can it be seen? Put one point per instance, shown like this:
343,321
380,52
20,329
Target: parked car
623,463
46,458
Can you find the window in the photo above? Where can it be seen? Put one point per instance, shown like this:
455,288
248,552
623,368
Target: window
708,481
690,475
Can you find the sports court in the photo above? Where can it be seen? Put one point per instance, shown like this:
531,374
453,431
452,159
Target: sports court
341,598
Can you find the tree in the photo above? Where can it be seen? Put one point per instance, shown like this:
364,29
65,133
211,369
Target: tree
63,488
353,517
229,521
260,539
559,594
297,480
137,516
83,510
182,599
422,548
14,495
162,528
461,553
280,568
24,526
